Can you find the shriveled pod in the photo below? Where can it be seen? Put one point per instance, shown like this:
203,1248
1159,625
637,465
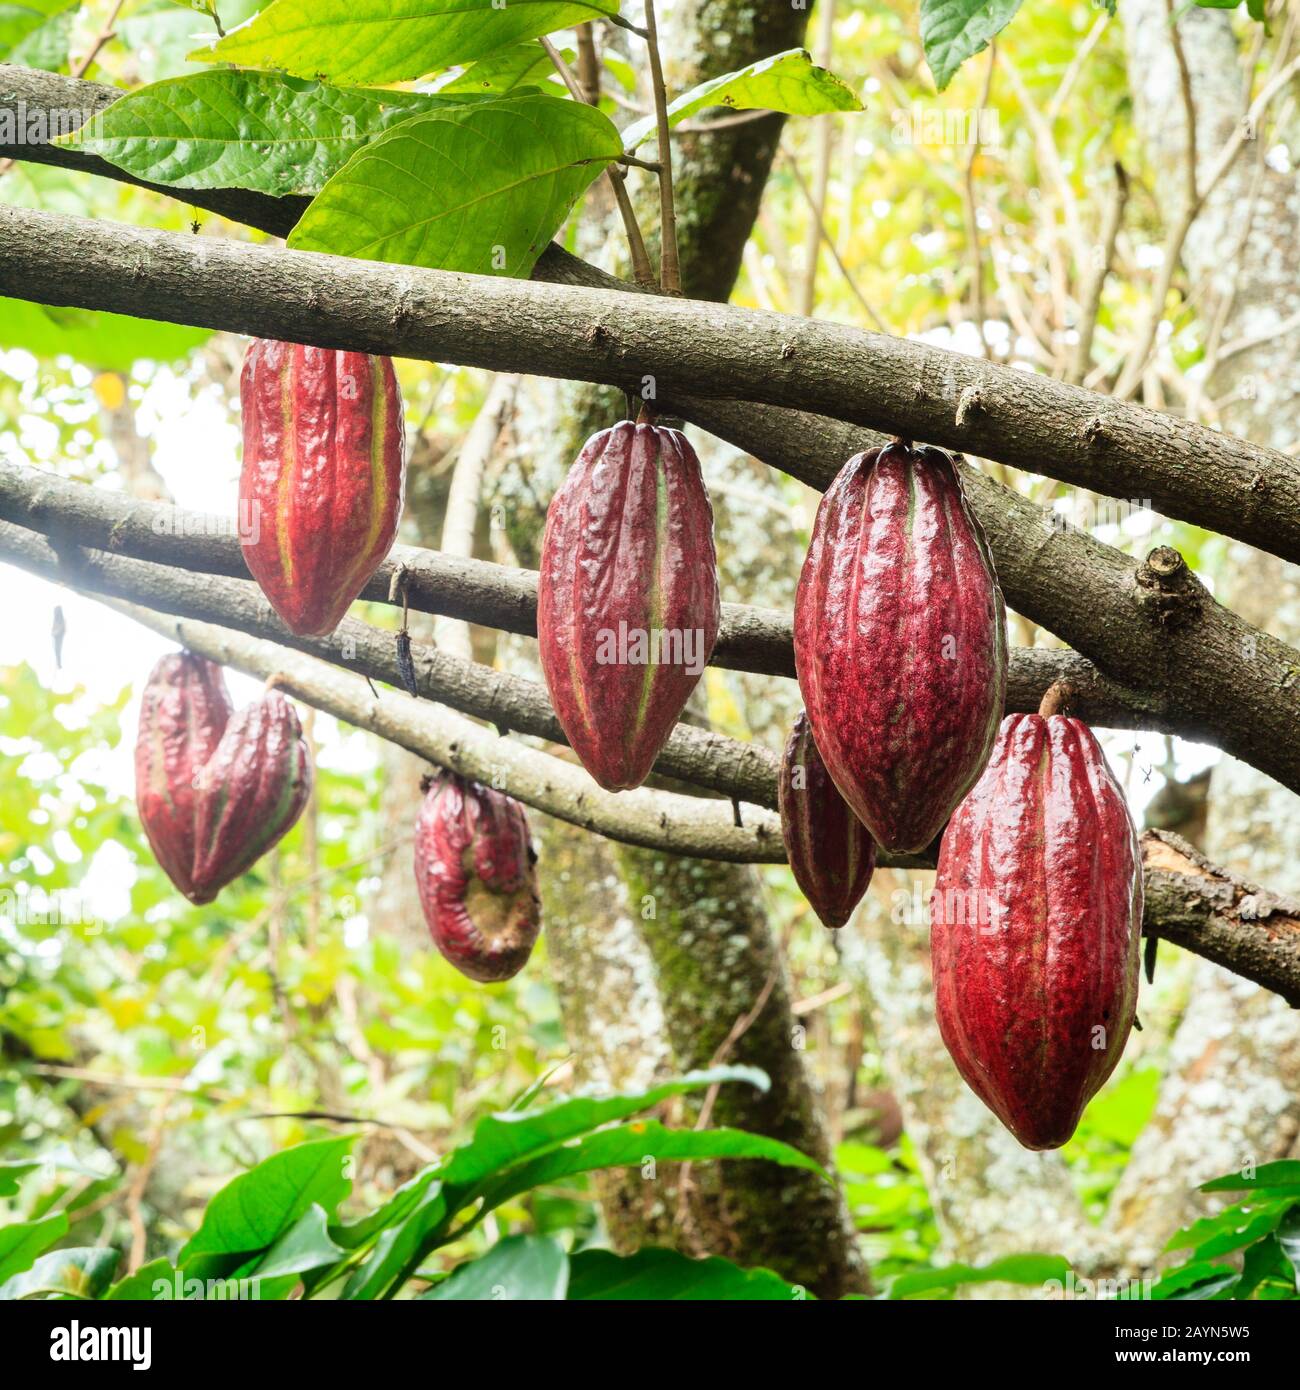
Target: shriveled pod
474,871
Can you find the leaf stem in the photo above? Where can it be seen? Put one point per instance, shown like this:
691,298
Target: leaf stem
670,274
642,270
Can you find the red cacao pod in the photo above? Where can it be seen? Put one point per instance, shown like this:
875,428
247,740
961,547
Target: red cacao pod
830,851
1036,916
627,598
474,871
900,641
215,789
320,491
183,713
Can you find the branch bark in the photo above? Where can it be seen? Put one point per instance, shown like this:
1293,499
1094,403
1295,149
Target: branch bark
1182,469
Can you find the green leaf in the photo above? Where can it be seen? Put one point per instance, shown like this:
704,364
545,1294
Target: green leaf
632,1144
1011,1269
1229,1229
505,1139
257,130
391,40
34,33
1263,1260
954,30
96,338
525,65
1181,1283
788,81
11,1174
663,1275
479,188
79,1273
518,1268
302,1248
258,1207
139,1287
1282,1174
399,1247
22,1242
1208,1291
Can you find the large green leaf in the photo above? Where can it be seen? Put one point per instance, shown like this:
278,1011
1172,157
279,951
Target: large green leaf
305,1246
954,30
24,1240
34,33
479,188
1229,1229
399,1246
259,130
505,1139
1285,1173
1288,1240
391,40
518,1268
1012,1269
631,1145
258,1207
80,1273
525,65
662,1275
789,82
109,341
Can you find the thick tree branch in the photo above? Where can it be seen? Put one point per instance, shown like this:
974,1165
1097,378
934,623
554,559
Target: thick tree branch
691,349
654,819
1190,902
745,771
751,639
1206,909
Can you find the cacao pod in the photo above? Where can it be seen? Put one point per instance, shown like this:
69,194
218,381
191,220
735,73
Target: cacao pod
320,491
830,851
215,789
900,641
183,713
627,598
474,872
1036,916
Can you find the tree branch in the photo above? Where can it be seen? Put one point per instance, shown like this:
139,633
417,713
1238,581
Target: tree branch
757,640
1032,422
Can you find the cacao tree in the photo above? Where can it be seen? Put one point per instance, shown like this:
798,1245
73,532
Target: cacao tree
1050,333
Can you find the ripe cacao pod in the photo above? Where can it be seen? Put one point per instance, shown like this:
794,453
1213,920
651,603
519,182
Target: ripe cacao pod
215,789
627,598
320,491
900,641
1036,916
830,851
474,871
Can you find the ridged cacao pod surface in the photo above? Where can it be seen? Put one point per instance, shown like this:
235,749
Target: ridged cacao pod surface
184,711
900,641
627,599
320,490
474,871
1036,917
831,853
215,788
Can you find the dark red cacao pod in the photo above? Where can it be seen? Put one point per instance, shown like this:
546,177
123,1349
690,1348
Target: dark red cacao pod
830,851
1036,916
215,789
320,491
627,598
183,713
474,870
900,641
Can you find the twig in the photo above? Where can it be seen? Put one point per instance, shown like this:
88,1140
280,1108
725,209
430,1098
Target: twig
972,220
670,274
823,132
642,270
1111,223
